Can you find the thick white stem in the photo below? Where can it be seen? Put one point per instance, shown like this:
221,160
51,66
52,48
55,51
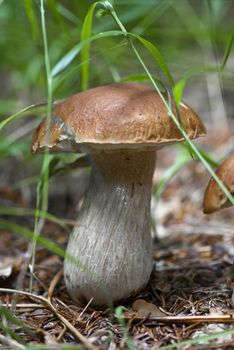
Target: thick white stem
112,239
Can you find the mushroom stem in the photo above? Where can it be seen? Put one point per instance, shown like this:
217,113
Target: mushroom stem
113,237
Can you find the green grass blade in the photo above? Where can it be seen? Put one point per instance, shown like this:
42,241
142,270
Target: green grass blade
10,317
179,87
157,56
64,76
69,57
43,184
84,54
41,202
69,15
22,113
228,49
85,51
10,332
29,234
14,211
52,4
181,159
204,154
119,314
178,90
29,9
141,77
184,157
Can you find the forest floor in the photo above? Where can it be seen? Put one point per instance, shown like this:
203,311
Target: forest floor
189,294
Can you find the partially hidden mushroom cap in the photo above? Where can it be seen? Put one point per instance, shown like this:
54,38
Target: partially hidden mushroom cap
119,115
214,198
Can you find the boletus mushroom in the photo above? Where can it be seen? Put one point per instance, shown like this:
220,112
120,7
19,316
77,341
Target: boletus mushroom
120,126
214,198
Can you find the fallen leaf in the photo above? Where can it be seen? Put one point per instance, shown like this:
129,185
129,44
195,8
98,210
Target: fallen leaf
7,264
145,309
6,271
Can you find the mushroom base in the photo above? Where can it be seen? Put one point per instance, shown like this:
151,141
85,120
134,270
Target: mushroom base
111,246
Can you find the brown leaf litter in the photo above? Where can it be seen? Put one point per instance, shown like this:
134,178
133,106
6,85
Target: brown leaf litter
187,296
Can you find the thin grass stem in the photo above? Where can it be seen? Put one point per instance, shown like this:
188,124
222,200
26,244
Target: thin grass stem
43,184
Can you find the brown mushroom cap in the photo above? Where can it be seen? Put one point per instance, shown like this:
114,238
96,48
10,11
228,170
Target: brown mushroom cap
118,115
214,198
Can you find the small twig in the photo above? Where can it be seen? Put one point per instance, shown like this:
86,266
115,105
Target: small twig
61,334
86,307
185,319
38,227
11,342
33,274
50,306
25,306
54,283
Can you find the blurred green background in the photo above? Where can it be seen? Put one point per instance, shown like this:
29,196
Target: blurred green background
192,36
188,33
